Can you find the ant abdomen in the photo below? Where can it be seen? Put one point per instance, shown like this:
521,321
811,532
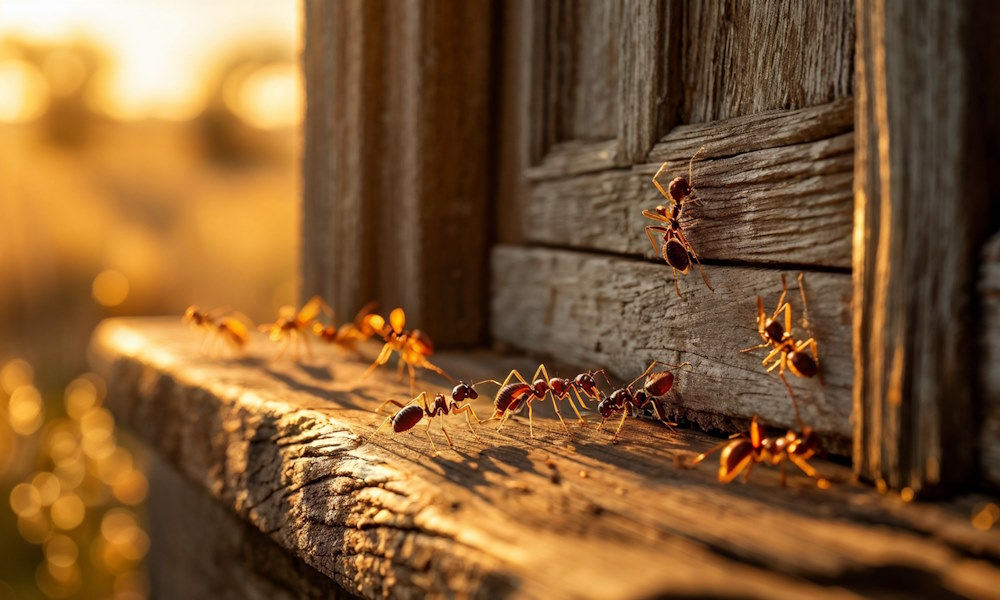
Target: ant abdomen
510,396
802,364
658,384
407,418
676,255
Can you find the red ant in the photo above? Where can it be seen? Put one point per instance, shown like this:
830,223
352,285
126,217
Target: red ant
741,453
413,346
216,324
787,352
291,327
348,335
676,250
411,413
512,397
623,399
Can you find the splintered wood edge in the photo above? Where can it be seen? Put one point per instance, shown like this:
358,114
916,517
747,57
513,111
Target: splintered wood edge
605,311
775,188
282,445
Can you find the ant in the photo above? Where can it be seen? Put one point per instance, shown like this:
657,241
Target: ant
787,353
348,335
741,453
512,397
291,327
676,250
413,346
623,399
411,413
216,324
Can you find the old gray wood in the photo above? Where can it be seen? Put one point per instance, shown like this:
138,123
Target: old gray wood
989,364
618,313
775,188
919,222
282,446
740,58
396,192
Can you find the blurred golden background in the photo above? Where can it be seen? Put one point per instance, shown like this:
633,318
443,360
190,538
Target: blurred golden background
148,160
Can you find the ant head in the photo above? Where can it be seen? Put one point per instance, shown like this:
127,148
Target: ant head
585,381
658,384
559,386
678,189
804,445
421,343
193,315
606,407
463,391
661,210
540,387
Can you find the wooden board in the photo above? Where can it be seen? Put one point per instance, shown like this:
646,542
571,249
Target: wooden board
741,58
775,189
989,366
282,445
602,311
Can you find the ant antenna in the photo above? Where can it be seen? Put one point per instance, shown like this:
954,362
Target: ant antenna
691,166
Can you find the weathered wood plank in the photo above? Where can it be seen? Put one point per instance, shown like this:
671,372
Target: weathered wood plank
400,94
282,446
775,188
989,365
602,311
746,57
915,256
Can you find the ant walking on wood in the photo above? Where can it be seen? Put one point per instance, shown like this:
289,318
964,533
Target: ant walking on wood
624,400
512,397
676,250
741,453
413,346
291,327
348,335
787,353
216,325
411,413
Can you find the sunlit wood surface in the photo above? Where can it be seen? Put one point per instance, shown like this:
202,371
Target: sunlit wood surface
282,445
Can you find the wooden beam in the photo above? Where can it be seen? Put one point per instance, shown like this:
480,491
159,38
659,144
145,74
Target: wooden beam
396,193
989,364
919,224
775,189
282,446
603,311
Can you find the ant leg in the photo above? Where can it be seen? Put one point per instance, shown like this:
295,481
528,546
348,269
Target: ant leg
413,376
621,423
791,394
644,373
805,306
656,181
811,343
282,346
757,347
445,432
676,287
427,431
749,469
770,357
384,423
558,414
693,463
694,255
660,415
396,402
573,406
649,233
305,342
467,408
432,367
383,357
399,369
691,166
531,430
808,469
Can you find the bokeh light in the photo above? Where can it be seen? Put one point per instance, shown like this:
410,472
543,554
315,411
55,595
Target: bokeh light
25,94
110,288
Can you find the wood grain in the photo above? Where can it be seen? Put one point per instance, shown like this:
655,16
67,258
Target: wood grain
741,58
989,365
281,445
915,257
399,94
775,189
602,311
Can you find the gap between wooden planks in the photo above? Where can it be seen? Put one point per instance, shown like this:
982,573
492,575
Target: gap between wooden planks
282,445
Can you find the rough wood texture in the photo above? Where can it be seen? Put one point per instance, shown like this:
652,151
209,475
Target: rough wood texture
775,188
281,445
919,222
601,311
201,550
989,366
398,95
741,57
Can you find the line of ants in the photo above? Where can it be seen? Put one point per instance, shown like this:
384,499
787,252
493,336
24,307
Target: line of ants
293,327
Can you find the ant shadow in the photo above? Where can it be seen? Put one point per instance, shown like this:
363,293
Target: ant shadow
346,398
488,461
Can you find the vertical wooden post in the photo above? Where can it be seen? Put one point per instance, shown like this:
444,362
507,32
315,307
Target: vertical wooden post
395,167
919,220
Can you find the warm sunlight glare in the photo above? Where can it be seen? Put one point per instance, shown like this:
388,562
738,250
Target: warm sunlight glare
110,288
269,98
25,94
